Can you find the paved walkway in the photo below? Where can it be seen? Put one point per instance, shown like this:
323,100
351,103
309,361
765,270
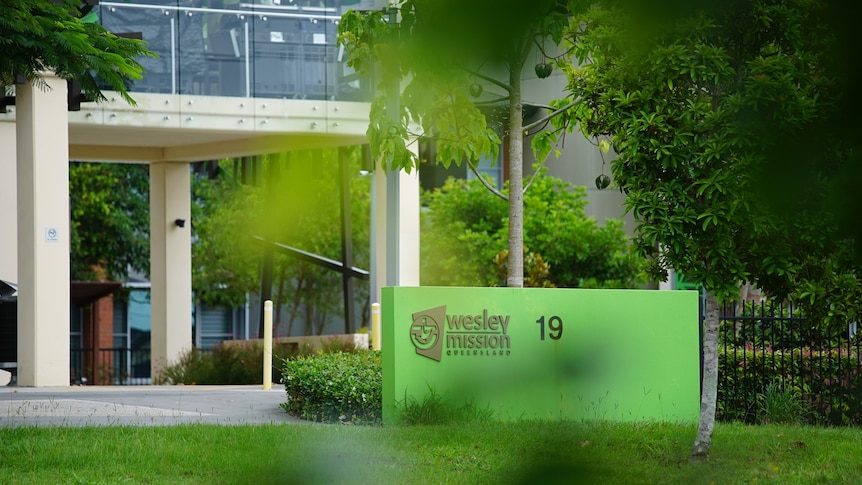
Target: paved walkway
141,406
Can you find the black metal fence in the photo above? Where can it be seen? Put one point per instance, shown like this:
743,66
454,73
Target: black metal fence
774,365
110,367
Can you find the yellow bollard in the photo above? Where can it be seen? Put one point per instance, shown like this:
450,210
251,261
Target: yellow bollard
267,345
375,326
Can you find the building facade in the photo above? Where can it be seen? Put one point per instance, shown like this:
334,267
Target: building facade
232,79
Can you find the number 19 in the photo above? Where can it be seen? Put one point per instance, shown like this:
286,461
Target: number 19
555,327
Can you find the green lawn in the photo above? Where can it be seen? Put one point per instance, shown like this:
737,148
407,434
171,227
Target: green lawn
490,452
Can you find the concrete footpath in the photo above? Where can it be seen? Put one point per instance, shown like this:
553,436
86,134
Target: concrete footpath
141,406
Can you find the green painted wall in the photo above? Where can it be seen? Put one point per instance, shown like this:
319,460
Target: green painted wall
539,353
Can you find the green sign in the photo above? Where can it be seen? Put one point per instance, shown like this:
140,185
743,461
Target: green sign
544,353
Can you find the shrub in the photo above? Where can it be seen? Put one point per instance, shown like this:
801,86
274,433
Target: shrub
465,229
828,382
239,363
781,403
336,343
344,387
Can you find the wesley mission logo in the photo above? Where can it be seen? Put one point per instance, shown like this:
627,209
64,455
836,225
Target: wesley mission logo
483,334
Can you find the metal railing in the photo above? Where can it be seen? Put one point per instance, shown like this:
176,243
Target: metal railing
771,357
109,367
239,49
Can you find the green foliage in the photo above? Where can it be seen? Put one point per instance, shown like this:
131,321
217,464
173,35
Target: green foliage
435,410
825,387
537,272
465,230
436,54
238,363
780,327
305,213
437,80
225,262
298,206
39,35
690,109
344,387
694,103
109,221
461,232
780,403
337,343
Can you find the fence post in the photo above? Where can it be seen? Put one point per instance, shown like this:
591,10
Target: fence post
375,326
267,345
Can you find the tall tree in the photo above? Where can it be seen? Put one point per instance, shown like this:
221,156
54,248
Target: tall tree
109,221
225,260
693,104
302,213
307,214
448,54
63,36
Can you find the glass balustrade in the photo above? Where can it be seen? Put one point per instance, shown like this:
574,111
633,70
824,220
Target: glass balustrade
265,49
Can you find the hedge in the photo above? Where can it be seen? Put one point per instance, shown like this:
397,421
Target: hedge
240,363
337,387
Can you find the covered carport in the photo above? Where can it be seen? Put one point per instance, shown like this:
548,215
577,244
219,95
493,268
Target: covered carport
168,132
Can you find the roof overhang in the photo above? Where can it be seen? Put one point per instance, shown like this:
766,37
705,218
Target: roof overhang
85,292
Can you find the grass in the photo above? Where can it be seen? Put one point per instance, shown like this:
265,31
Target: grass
435,410
482,452
781,404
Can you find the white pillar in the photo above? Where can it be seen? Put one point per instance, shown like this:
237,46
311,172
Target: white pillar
394,230
170,263
402,228
378,234
8,200
408,223
669,283
42,128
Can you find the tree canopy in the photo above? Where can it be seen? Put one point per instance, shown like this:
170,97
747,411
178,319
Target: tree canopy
457,62
694,105
294,206
109,222
64,37
693,115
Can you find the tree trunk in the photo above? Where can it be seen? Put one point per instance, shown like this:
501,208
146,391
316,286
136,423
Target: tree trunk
709,392
297,298
515,278
309,324
279,299
320,322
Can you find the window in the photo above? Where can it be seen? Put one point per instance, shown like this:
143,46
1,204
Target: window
490,169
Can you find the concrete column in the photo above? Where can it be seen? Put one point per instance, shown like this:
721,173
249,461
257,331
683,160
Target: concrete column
408,223
8,200
402,204
378,234
394,230
42,129
170,263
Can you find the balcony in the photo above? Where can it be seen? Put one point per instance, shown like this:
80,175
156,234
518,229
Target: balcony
232,79
225,48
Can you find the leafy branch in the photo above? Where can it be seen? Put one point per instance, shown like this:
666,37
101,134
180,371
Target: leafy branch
550,115
490,79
